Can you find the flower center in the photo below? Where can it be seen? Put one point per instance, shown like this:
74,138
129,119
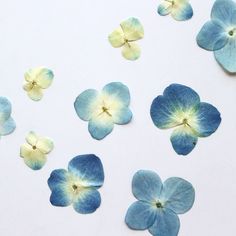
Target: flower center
34,83
159,205
231,32
34,147
185,121
105,109
75,187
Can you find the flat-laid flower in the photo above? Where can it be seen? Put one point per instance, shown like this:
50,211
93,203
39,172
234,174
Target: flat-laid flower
104,109
159,204
79,185
35,151
180,107
125,36
219,34
180,10
37,79
7,124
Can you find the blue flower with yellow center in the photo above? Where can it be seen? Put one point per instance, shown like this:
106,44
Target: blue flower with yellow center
159,203
219,34
180,107
78,185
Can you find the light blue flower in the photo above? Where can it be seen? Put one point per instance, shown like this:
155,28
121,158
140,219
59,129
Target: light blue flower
219,34
7,124
158,204
104,109
79,185
180,107
180,10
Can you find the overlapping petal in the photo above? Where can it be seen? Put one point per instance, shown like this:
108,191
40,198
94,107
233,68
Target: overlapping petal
61,197
131,51
35,93
44,77
5,109
122,116
7,127
117,38
182,10
45,145
58,178
164,8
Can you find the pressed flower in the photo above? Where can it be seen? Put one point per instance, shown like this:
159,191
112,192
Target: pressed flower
7,124
37,80
126,36
219,34
180,10
35,151
180,107
159,203
78,185
103,110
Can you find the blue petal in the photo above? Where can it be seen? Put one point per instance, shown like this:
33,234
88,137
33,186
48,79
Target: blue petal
226,56
208,119
178,195
166,224
7,127
88,168
183,11
183,140
88,200
57,178
85,104
5,109
122,116
60,197
118,91
164,8
140,215
146,185
223,11
212,36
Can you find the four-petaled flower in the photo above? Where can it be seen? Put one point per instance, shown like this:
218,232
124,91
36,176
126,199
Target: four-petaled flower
104,109
179,9
125,36
78,185
180,107
35,150
37,79
158,204
7,124
219,34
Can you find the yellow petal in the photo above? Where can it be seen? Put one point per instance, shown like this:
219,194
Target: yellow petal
27,87
131,51
44,77
32,138
116,38
35,93
45,145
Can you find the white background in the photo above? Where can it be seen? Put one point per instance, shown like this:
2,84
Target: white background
70,37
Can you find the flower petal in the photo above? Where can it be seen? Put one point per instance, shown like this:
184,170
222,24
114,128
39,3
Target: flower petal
32,158
100,126
61,197
88,200
166,224
32,138
178,195
5,109
164,8
212,36
86,103
7,127
132,28
45,145
146,186
44,77
89,169
122,116
35,93
182,10
140,215
131,51
183,140
226,56
116,38
58,177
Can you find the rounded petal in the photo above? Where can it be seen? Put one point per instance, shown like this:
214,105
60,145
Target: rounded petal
7,127
86,103
5,109
27,86
226,56
60,197
131,51
57,178
183,140
32,138
100,126
132,28
212,36
146,186
182,11
44,77
178,195
45,145
116,38
164,8
122,116
35,93
140,216
33,158
89,169
87,201
166,224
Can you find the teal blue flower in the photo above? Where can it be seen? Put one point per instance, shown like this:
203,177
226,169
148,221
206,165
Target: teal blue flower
219,34
180,107
104,109
180,10
159,204
79,185
7,124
